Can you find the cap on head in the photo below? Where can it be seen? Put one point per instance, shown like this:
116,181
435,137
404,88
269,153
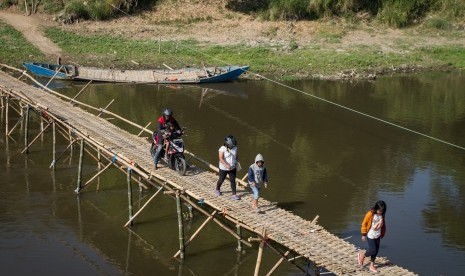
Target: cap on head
230,141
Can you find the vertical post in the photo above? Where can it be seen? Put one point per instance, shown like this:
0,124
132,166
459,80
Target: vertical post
180,225
99,161
41,128
26,122
54,145
81,157
6,114
239,233
159,44
260,253
129,194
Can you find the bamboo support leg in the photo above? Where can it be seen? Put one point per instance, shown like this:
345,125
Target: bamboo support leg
56,160
142,208
129,195
196,232
239,233
278,263
180,225
143,129
104,109
54,145
259,258
81,157
95,176
33,140
80,91
15,125
26,131
6,114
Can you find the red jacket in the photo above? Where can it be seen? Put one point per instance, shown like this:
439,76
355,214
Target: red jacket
368,220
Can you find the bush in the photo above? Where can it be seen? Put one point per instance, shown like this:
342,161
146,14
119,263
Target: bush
438,23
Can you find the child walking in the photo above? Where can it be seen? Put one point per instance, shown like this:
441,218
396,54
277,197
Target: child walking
256,177
373,229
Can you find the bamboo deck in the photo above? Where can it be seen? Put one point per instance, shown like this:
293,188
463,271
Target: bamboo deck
299,235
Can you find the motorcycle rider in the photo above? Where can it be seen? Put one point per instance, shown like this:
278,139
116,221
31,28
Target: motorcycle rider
163,120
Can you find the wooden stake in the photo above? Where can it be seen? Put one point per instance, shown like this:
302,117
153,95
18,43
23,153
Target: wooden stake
81,157
180,225
210,217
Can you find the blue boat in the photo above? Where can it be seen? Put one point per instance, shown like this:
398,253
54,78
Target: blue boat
156,76
47,70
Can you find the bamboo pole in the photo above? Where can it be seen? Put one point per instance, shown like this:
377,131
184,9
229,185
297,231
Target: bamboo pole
142,130
54,75
15,125
217,222
239,233
56,160
180,225
102,110
95,176
33,140
291,260
6,114
210,217
26,130
54,144
129,194
278,263
79,93
142,208
260,252
81,157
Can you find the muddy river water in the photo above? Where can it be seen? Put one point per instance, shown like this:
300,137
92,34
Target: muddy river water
322,160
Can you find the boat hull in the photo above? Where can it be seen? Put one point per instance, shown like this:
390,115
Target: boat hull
180,76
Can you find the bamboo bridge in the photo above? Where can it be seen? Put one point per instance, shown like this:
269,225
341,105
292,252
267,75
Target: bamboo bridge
280,230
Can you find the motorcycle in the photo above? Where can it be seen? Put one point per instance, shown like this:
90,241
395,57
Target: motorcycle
172,153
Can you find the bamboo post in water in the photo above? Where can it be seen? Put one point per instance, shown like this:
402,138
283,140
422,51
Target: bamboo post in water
260,252
239,233
6,114
129,194
54,144
26,122
81,157
180,225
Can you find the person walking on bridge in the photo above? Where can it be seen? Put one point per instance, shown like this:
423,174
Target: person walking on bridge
228,161
257,176
373,229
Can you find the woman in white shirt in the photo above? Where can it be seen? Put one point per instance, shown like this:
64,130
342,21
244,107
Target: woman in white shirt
227,155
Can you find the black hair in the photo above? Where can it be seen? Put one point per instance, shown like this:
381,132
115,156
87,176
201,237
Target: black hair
380,205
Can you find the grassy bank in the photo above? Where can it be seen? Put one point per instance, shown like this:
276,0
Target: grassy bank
14,49
285,61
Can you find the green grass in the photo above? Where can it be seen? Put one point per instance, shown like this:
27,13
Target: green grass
14,49
273,60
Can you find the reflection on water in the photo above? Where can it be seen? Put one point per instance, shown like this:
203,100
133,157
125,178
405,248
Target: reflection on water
322,160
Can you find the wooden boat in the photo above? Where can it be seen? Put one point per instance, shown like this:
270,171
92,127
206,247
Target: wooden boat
161,76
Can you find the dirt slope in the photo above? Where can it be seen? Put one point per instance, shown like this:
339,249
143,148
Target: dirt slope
31,28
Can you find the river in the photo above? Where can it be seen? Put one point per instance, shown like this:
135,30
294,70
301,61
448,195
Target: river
322,160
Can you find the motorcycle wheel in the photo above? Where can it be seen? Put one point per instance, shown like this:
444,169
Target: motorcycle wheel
180,164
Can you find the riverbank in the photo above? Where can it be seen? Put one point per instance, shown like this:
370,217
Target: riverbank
330,49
